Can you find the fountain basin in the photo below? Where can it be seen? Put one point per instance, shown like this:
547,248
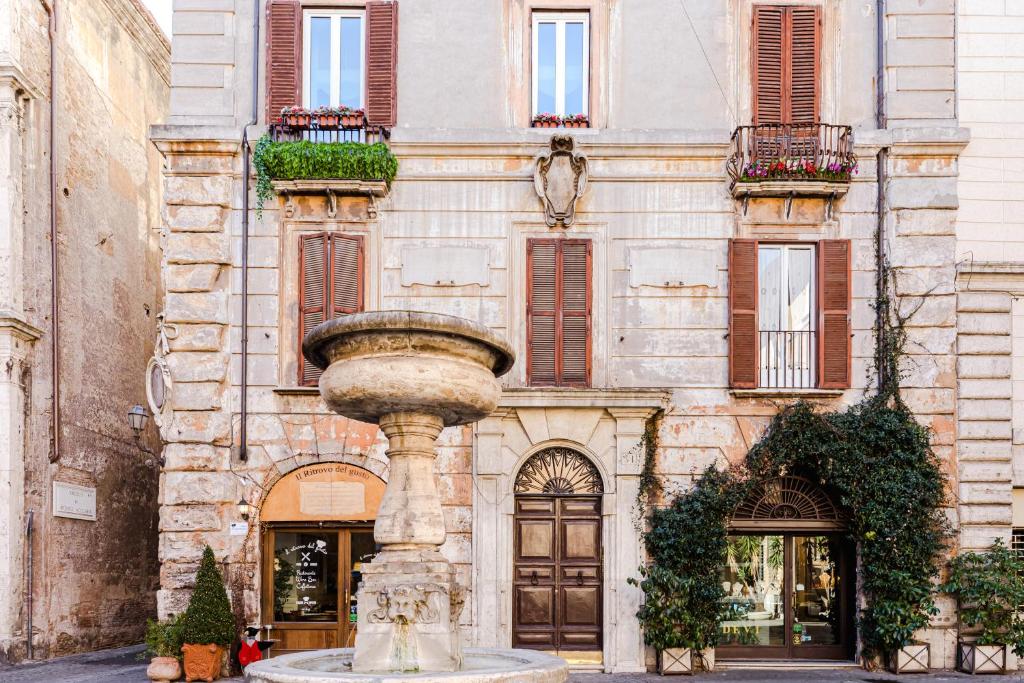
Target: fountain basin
481,665
407,361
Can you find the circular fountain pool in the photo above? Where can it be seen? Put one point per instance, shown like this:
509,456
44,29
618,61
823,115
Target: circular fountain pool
479,665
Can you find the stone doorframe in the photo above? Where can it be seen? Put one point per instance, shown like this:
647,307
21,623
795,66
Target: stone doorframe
606,426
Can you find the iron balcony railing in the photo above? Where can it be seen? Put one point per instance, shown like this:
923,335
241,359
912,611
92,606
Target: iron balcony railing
788,359
792,151
314,132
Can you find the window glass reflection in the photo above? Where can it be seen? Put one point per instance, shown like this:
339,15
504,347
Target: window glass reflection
351,92
753,578
546,69
575,57
305,576
319,61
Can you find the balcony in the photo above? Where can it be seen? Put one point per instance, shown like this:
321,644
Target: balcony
792,160
332,156
788,359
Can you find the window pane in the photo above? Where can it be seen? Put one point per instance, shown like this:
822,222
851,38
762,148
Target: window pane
319,61
305,576
351,62
575,58
769,279
753,580
798,311
545,68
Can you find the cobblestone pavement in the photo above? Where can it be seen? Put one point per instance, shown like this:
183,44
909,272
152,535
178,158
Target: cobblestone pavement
123,665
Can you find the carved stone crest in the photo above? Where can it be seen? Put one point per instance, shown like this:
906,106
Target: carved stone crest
560,178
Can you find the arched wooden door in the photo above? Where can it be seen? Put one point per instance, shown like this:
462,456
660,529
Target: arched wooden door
557,580
317,526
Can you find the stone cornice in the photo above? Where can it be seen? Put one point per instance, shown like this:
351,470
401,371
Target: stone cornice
196,140
142,27
13,76
533,397
990,276
12,323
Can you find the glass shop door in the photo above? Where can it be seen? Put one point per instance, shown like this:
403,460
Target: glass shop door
787,596
310,580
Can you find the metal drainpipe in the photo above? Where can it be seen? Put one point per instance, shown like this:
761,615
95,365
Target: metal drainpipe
243,454
51,10
28,584
880,174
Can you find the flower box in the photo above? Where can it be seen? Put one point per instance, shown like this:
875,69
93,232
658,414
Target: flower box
546,124
352,119
912,658
297,120
327,120
980,659
684,661
577,124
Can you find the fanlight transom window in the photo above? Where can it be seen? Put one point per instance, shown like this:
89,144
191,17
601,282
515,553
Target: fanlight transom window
559,471
787,501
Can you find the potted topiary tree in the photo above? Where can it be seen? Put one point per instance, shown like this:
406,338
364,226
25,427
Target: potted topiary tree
208,626
163,643
679,618
989,589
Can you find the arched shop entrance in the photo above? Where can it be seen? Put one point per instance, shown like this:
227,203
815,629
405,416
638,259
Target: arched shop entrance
557,561
317,532
789,576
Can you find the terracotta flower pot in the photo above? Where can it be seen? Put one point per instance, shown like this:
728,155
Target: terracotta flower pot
545,124
297,120
202,662
164,669
577,124
352,120
327,120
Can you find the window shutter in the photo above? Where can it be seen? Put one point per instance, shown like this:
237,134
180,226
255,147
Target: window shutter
575,313
381,62
834,303
804,31
346,274
284,56
767,64
541,311
743,336
312,296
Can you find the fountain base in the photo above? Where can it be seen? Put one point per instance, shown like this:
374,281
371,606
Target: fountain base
479,666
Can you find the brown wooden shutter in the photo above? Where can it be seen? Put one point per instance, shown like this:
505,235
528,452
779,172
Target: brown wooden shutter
574,325
834,285
346,274
313,304
541,311
284,56
767,63
786,45
804,51
381,62
743,334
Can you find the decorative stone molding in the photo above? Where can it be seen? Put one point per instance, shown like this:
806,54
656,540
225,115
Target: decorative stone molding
560,178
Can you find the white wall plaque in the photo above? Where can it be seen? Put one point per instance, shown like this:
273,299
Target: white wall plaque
238,529
672,267
74,501
446,266
332,498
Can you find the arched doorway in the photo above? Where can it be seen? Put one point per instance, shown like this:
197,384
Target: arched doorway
789,576
557,581
317,524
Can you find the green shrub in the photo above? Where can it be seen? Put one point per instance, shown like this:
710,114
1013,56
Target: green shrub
304,159
208,618
989,587
163,638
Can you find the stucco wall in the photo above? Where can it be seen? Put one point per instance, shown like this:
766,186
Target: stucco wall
94,582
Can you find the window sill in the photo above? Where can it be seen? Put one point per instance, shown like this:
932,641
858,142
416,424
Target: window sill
782,188
786,393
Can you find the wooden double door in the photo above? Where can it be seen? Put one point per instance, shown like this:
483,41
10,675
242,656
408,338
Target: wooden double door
557,582
310,579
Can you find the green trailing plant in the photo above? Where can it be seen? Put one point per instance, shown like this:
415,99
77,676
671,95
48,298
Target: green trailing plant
208,619
163,638
989,588
650,483
874,458
304,159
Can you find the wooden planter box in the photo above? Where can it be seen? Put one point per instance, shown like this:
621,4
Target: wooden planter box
910,659
297,120
980,659
352,120
679,661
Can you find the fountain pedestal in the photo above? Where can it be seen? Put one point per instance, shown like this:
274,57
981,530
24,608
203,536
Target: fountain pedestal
413,374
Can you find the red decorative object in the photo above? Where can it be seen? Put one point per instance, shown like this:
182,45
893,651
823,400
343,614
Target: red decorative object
249,652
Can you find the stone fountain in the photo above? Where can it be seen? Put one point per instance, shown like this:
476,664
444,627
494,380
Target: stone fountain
413,374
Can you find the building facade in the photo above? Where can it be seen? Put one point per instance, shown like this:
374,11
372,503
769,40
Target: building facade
653,270
79,293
